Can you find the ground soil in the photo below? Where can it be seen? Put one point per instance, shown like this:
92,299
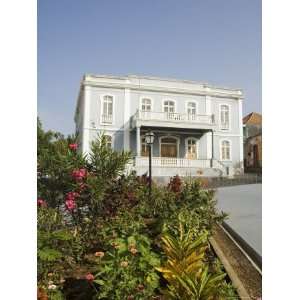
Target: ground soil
248,275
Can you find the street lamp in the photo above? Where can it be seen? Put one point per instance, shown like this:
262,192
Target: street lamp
149,139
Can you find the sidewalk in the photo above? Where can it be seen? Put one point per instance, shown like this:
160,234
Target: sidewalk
243,203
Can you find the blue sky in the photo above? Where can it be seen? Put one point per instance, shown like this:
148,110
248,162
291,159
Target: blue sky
215,41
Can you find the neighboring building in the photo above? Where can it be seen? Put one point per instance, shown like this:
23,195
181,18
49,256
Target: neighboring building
253,142
198,127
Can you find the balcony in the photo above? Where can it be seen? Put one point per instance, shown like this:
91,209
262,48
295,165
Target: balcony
106,119
168,166
141,161
175,120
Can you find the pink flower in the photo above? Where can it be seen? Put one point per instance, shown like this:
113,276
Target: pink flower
41,203
83,172
73,146
72,196
89,277
70,204
78,175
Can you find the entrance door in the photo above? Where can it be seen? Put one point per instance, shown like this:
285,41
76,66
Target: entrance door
168,151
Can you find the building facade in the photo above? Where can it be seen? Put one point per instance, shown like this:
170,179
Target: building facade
198,127
253,142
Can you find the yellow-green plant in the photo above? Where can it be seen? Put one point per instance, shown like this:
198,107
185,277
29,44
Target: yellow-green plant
186,270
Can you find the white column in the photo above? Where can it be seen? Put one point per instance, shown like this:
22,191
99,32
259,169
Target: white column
208,135
208,145
241,131
127,119
138,141
208,105
86,120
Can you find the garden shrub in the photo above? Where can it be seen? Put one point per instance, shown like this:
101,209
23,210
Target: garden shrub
91,214
187,271
54,250
127,269
175,184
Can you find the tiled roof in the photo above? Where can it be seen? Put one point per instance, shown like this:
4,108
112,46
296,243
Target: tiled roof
253,118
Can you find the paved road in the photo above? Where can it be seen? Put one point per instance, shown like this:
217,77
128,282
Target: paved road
243,204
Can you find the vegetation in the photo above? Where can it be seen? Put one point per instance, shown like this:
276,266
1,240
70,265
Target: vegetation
186,269
97,224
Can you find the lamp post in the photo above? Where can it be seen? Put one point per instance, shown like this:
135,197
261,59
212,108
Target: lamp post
149,139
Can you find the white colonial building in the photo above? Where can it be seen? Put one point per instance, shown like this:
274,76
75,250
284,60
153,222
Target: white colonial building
198,127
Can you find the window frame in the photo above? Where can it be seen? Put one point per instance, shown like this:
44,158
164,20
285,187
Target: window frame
102,109
187,144
187,106
220,117
141,103
163,105
230,150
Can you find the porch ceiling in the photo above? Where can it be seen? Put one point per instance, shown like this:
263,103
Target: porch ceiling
175,129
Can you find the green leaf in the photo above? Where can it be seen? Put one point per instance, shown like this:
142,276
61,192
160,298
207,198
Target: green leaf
122,245
99,281
131,240
62,235
47,254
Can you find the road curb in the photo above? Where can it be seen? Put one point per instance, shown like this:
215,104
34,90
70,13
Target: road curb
248,251
243,294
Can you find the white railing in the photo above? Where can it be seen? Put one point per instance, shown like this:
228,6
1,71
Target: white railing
141,161
174,117
107,119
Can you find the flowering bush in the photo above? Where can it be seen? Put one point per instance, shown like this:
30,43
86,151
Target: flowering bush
127,270
92,215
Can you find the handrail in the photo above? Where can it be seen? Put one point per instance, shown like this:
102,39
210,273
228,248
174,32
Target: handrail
173,162
174,116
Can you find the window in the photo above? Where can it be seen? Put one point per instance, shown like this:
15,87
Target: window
169,110
144,147
146,104
108,140
224,111
107,112
191,148
225,150
169,106
191,108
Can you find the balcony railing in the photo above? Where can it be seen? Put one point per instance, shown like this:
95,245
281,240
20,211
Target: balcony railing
174,117
141,161
107,119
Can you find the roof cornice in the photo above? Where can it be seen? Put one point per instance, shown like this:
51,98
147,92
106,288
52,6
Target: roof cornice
156,84
203,92
160,85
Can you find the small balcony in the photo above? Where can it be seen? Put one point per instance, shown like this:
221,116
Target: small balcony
172,119
106,119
